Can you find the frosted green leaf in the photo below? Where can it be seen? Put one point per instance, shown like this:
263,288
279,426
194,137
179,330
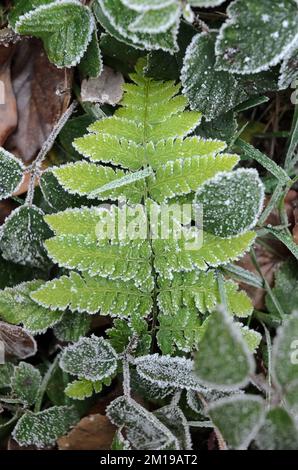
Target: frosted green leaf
23,235
25,383
145,5
93,294
11,176
285,356
143,430
252,338
94,181
179,149
122,332
215,92
199,291
285,289
181,330
43,429
285,238
272,26
156,21
289,69
6,372
56,196
90,358
109,149
175,255
65,27
16,307
20,7
169,371
183,176
223,361
278,432
116,19
79,389
231,202
173,418
78,245
91,64
119,443
238,418
72,326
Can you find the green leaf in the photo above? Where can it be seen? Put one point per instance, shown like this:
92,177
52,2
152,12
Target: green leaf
175,255
285,357
91,65
116,18
16,307
79,389
199,291
93,294
215,92
56,196
272,24
65,28
156,21
223,127
205,3
285,237
43,429
94,181
23,235
72,326
25,383
87,252
6,372
285,289
249,151
278,432
231,202
173,418
90,358
122,332
167,371
143,430
183,176
238,418
223,360
288,70
11,176
74,128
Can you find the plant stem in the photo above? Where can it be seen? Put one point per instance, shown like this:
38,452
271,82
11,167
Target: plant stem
45,383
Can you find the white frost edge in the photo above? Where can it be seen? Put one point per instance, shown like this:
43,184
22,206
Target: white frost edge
10,156
143,8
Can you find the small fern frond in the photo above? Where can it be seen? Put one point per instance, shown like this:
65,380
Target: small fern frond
93,294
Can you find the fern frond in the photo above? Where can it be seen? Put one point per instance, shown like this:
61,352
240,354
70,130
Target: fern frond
109,149
87,179
183,176
198,292
173,255
93,294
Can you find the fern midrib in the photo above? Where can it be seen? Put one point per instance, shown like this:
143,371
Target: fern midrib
146,192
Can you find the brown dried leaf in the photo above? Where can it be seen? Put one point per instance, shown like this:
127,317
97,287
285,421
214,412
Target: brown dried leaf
94,432
107,88
17,341
42,94
8,105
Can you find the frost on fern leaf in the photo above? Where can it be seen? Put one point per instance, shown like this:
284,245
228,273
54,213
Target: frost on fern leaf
153,164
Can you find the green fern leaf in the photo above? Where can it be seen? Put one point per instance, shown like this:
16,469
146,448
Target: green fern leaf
183,176
198,292
96,181
174,256
93,294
